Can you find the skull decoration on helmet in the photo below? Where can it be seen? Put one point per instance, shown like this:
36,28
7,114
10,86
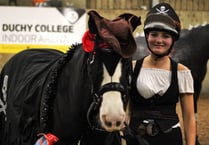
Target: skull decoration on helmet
163,17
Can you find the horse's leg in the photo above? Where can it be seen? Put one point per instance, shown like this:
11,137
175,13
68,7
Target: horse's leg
198,79
197,87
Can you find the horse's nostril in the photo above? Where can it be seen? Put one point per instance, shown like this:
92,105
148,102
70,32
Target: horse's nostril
108,123
118,123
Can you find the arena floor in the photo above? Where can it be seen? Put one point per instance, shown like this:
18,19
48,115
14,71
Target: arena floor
203,123
203,119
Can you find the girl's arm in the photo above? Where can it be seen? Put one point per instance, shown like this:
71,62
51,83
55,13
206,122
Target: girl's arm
187,107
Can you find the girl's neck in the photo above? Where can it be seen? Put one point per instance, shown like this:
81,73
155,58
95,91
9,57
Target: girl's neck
151,61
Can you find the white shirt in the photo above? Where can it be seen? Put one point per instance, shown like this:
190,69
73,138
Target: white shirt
156,81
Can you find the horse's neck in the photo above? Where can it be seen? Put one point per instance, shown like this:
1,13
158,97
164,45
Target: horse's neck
72,98
74,75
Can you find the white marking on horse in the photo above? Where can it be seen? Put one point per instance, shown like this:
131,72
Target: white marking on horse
3,105
112,109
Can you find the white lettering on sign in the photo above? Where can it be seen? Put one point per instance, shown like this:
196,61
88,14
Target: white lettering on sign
16,28
37,28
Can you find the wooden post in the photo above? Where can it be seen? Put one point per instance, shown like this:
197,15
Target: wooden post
154,2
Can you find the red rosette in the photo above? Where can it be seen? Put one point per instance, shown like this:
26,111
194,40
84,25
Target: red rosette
88,41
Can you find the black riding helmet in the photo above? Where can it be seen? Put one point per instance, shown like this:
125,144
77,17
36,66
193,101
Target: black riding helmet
163,17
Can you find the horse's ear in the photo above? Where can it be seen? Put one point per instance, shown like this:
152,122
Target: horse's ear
133,19
93,15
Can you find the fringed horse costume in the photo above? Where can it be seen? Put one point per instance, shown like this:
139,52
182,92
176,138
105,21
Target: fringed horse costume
47,94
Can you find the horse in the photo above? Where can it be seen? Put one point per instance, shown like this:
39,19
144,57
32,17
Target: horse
191,50
48,93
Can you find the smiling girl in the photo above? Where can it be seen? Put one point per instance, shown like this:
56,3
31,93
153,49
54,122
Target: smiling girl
159,83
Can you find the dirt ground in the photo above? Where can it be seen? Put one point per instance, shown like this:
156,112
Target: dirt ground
203,119
203,123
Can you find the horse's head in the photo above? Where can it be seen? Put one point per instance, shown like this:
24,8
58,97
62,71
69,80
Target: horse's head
110,67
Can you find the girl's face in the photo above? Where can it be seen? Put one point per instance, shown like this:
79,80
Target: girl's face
159,42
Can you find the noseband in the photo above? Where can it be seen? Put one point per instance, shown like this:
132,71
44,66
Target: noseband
113,86
92,115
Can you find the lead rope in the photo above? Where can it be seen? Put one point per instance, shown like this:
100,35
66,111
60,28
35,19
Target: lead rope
129,135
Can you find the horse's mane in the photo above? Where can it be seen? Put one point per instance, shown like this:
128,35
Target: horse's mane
71,50
191,33
198,27
50,92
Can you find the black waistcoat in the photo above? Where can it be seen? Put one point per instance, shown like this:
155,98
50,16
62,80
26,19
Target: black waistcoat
159,108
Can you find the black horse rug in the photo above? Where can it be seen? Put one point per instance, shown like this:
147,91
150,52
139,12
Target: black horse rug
38,70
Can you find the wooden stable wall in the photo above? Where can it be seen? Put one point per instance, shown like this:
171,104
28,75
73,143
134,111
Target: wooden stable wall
189,5
183,5
188,18
191,12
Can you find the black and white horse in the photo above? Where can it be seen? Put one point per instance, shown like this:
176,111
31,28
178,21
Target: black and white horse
191,50
67,94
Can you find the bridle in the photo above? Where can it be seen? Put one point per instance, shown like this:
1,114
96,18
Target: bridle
92,115
97,95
